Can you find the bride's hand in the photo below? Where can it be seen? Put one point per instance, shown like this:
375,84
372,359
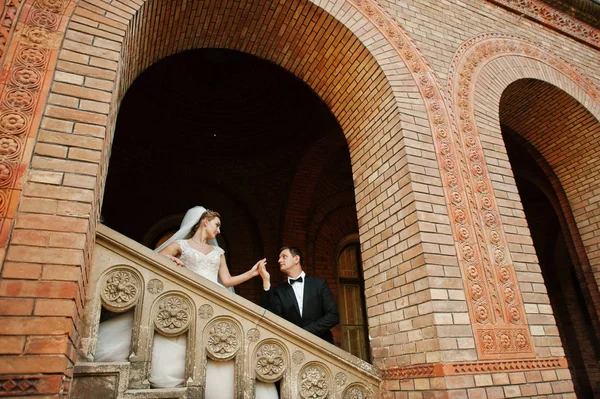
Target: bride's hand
177,261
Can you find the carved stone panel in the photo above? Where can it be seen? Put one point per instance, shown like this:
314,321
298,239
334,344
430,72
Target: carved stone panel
270,361
314,381
120,289
173,314
356,391
223,339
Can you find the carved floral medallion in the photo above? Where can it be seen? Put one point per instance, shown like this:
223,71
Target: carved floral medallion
120,289
173,315
356,391
224,339
270,361
314,383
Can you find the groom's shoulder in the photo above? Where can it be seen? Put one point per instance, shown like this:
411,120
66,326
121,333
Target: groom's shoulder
316,280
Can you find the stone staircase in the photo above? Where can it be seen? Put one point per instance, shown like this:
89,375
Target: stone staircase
126,276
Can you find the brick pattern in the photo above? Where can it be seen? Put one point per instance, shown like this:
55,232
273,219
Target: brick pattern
416,302
531,384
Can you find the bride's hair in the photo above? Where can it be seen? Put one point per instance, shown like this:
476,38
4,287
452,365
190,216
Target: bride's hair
208,215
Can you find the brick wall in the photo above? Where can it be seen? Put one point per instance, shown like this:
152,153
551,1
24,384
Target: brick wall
383,83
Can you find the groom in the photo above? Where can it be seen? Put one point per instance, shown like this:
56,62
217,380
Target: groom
303,300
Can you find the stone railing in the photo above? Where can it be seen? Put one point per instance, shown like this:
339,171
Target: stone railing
126,276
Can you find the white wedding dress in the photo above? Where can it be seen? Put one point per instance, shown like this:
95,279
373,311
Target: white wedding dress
168,353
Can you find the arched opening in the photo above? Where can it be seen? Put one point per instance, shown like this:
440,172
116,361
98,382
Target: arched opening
231,139
544,131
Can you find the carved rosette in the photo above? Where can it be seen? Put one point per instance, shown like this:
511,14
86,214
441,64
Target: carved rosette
298,357
155,286
340,379
506,341
356,391
206,311
173,314
120,289
270,362
253,334
314,381
224,339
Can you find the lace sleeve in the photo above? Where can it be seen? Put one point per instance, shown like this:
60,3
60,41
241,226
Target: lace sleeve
220,251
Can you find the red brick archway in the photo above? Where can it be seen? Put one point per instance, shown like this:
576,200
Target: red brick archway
105,48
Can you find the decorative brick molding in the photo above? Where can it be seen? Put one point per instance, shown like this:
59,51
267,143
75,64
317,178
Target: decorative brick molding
505,366
556,19
10,15
420,371
509,332
31,385
35,42
493,294
439,369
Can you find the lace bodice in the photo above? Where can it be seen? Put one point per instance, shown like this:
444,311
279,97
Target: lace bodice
205,265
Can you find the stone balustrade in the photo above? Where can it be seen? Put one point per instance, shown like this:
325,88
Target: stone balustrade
218,324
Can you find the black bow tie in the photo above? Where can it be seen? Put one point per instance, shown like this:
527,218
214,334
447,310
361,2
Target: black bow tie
292,281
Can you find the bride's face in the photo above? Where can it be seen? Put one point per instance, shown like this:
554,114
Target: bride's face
213,228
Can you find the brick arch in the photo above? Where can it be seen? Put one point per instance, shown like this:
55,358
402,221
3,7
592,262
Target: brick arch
480,72
92,52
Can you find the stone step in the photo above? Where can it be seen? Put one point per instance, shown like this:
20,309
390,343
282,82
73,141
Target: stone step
98,380
171,393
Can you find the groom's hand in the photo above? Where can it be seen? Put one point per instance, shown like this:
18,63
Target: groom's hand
266,277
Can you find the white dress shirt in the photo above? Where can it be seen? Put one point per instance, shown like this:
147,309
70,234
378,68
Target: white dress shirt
298,288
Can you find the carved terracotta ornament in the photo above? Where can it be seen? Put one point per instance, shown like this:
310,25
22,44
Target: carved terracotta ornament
270,362
12,8
505,330
462,175
559,20
33,32
120,289
173,314
224,339
314,383
438,370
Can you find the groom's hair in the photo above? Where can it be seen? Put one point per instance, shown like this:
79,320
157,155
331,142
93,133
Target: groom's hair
293,250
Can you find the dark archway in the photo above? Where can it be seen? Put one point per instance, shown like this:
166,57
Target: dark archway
226,130
554,248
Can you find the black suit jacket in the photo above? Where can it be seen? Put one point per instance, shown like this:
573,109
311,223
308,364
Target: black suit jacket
320,313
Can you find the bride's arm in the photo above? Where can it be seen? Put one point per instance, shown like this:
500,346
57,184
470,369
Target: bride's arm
173,252
228,280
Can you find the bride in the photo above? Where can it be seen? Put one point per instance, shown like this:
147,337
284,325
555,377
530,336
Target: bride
193,246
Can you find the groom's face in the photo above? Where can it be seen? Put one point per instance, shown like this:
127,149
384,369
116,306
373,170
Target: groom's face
286,261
